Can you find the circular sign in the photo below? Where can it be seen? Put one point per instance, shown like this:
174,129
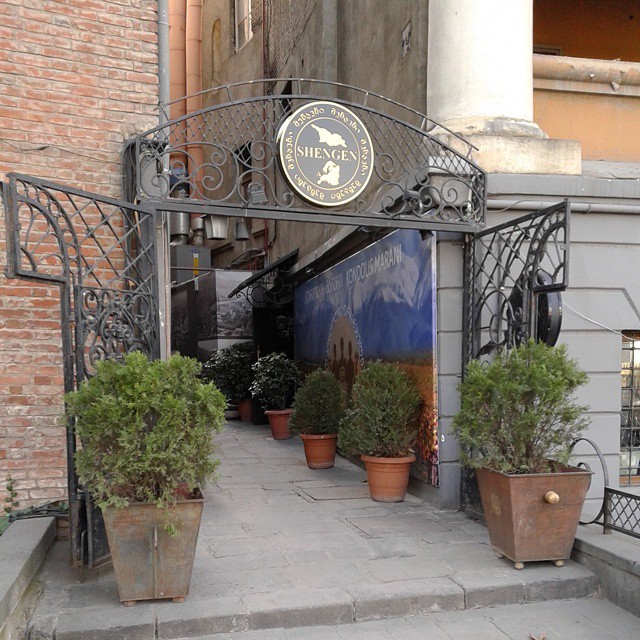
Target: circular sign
325,153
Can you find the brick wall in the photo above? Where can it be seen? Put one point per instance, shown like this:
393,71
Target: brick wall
77,78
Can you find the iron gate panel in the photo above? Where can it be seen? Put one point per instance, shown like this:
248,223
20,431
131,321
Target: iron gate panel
101,253
510,270
223,160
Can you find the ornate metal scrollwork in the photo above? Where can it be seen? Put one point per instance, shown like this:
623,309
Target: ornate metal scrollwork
216,153
102,251
515,273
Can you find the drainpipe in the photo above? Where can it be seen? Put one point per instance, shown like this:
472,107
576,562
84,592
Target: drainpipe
161,231
193,60
163,60
330,40
494,204
177,17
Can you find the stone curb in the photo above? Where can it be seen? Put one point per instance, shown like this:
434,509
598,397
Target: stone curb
23,547
319,607
616,560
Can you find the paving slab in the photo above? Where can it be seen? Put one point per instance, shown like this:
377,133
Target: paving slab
282,545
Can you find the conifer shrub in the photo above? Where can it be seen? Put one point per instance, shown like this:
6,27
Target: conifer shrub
382,418
318,405
517,414
145,429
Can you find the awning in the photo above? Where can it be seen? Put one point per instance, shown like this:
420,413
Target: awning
264,277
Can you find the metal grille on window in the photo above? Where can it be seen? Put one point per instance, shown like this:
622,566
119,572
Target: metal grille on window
630,414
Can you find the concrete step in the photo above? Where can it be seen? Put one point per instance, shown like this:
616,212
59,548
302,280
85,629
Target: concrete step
584,619
201,616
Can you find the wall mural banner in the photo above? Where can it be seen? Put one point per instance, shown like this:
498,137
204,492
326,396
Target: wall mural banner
377,304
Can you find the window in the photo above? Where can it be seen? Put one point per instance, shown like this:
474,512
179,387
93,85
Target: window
242,19
630,414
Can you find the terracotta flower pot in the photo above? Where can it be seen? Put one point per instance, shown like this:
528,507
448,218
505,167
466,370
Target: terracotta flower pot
279,423
320,450
245,409
388,478
533,516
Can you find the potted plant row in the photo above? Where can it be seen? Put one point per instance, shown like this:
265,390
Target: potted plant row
317,410
275,380
146,451
230,370
516,426
381,425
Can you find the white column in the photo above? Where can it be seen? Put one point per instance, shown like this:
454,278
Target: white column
480,67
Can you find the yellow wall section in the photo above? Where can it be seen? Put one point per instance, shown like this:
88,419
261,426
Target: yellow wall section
606,30
607,126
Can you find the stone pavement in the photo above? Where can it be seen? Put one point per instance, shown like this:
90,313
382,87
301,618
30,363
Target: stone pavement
282,546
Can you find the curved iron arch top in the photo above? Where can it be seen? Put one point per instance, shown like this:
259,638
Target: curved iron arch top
224,159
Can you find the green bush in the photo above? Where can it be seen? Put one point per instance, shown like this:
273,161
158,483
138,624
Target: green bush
383,416
517,411
230,370
145,428
275,381
318,406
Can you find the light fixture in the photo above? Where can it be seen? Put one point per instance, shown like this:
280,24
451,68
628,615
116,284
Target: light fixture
215,227
241,231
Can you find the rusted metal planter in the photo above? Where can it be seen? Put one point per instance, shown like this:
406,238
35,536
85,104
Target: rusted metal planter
533,516
150,564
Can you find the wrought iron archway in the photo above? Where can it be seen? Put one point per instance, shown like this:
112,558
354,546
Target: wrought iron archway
223,160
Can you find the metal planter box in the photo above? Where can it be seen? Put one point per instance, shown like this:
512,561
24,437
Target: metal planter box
524,521
148,562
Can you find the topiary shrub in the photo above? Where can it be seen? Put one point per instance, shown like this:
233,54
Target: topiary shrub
318,405
383,417
275,381
516,413
145,429
230,370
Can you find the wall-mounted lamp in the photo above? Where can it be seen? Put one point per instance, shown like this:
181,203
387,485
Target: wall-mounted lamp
241,231
215,227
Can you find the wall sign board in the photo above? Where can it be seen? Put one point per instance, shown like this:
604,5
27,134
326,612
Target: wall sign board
325,153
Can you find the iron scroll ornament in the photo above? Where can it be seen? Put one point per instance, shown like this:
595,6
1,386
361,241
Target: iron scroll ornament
225,159
514,275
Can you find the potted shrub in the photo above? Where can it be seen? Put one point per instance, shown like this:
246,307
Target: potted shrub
230,370
274,384
381,425
515,426
145,430
317,410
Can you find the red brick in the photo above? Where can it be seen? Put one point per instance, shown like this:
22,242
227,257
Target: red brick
91,83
